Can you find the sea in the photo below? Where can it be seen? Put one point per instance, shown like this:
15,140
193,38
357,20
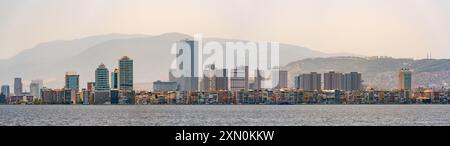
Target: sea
224,115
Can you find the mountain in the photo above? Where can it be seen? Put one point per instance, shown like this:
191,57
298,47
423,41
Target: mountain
379,73
151,55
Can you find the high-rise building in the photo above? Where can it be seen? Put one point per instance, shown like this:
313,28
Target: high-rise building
208,81
5,90
115,79
72,81
187,52
35,88
280,79
221,79
258,80
85,95
102,91
18,86
114,96
239,79
102,78
246,78
91,86
353,81
69,96
405,79
125,73
52,96
298,82
333,81
309,82
2,98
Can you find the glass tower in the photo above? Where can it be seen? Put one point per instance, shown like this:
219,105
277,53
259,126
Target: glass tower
101,78
72,81
125,73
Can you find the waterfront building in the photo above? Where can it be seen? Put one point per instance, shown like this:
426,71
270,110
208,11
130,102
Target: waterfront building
333,81
258,80
85,95
298,82
102,97
353,81
207,82
102,78
5,90
115,79
405,79
102,89
52,96
160,86
2,98
114,96
187,50
91,86
18,86
310,82
125,73
239,79
221,79
70,96
280,79
72,81
35,90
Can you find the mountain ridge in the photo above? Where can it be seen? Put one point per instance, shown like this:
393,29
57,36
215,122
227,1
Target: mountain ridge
49,61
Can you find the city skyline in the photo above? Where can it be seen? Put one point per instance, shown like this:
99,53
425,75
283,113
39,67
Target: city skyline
367,28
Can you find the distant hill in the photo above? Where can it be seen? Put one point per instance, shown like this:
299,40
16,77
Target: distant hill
49,61
380,73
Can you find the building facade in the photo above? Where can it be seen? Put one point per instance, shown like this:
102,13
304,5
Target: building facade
187,52
18,86
405,79
5,90
72,81
125,73
160,86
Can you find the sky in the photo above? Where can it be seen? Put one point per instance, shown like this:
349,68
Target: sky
397,28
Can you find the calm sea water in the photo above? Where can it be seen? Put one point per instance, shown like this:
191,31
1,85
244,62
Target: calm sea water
217,115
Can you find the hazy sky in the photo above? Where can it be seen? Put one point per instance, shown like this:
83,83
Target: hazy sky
399,28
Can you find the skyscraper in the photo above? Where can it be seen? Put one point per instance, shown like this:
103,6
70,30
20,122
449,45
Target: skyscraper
115,79
18,86
333,81
72,81
125,74
102,91
207,83
221,79
239,79
187,52
102,78
353,81
309,82
298,82
405,79
258,79
5,90
35,88
280,79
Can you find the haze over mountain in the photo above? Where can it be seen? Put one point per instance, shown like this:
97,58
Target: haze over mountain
379,73
151,55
